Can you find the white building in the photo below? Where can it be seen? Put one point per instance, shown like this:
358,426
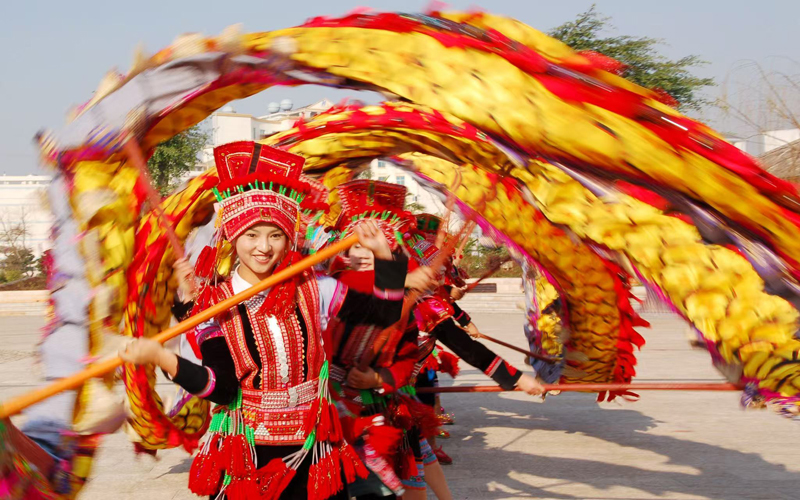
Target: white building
383,170
229,126
23,202
760,144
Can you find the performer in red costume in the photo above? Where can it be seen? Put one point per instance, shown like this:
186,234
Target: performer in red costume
275,432
373,393
439,315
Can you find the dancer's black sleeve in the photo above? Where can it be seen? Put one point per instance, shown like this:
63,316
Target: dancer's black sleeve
216,379
384,306
476,354
180,309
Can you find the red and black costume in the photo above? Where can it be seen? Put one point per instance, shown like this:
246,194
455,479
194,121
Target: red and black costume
379,420
275,432
437,314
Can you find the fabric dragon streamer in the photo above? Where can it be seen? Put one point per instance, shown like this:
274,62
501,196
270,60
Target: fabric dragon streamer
594,179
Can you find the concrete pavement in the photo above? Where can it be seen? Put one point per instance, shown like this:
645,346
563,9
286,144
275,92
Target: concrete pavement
668,445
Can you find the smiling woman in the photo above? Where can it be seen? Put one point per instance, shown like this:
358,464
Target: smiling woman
259,249
263,361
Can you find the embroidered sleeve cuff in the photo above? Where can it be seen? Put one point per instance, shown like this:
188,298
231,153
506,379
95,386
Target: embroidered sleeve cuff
390,276
181,309
337,374
210,385
503,373
462,318
388,294
461,315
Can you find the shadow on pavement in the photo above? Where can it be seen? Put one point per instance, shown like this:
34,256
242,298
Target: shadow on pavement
719,473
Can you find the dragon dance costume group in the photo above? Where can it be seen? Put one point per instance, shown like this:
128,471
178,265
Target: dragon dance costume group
310,389
314,380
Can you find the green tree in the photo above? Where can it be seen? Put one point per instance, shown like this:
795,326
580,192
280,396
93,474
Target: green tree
366,173
16,259
18,263
176,156
644,64
478,259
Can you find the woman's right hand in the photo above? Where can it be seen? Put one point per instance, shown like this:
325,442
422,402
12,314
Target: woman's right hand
143,351
422,278
472,330
458,292
529,384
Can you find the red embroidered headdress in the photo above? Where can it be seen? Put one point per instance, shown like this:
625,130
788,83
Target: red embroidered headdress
422,247
379,201
258,183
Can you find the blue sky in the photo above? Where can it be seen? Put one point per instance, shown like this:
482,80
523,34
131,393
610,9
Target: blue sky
55,52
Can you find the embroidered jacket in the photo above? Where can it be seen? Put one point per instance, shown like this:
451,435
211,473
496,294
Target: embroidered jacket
275,360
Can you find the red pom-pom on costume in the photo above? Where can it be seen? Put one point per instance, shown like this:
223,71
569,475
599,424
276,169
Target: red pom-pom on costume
313,482
242,489
336,434
285,480
206,262
324,425
401,416
353,466
241,461
336,472
269,476
205,474
406,464
424,417
384,439
448,363
274,478
311,416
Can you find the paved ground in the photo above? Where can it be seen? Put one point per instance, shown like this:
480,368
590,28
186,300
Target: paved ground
507,446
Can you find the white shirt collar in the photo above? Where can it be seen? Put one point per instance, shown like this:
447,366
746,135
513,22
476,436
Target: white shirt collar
239,284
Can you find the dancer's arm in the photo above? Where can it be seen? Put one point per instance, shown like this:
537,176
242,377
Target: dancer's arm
477,354
384,306
215,380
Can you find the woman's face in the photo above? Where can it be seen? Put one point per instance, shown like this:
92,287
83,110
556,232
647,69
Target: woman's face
260,249
361,259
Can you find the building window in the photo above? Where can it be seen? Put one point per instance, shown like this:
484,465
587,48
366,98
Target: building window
400,179
383,178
